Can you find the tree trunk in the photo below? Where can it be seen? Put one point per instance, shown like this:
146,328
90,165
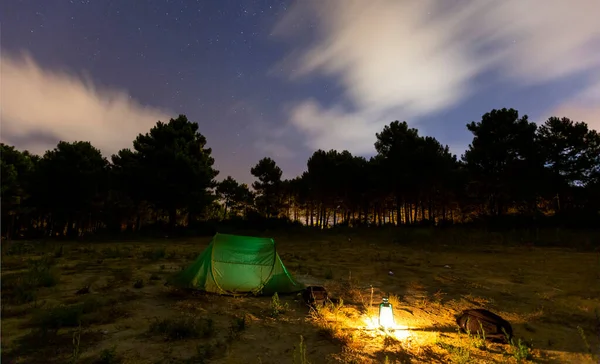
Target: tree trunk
9,231
48,227
70,228
416,212
190,218
172,218
429,210
398,212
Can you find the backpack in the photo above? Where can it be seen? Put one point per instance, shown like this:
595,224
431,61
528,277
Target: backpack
494,326
315,295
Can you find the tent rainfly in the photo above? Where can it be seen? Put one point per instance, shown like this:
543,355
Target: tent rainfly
233,264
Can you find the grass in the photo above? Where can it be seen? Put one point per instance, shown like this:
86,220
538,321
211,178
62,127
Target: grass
92,310
300,353
126,315
459,354
138,284
108,356
156,254
76,346
183,327
55,318
277,308
238,325
520,351
19,288
154,277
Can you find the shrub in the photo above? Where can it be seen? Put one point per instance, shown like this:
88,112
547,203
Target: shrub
58,317
183,327
108,356
277,308
155,254
20,288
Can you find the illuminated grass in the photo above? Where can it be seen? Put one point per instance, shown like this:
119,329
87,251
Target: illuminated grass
548,295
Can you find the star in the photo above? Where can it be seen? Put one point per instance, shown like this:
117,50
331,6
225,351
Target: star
200,57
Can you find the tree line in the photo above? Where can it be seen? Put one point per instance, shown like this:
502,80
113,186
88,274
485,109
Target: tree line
513,173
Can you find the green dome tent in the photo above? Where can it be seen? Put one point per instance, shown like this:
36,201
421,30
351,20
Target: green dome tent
233,264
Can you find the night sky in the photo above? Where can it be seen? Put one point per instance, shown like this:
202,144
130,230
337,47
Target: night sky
281,79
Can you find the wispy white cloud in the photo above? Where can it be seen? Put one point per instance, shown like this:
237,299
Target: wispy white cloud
39,101
335,128
405,59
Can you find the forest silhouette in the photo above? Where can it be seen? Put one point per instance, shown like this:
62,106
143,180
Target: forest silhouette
515,174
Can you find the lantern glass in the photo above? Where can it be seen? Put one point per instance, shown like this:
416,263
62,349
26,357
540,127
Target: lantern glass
386,314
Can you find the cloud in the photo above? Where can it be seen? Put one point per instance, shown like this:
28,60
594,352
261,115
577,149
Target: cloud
59,106
334,128
414,58
583,106
274,149
273,140
577,112
268,138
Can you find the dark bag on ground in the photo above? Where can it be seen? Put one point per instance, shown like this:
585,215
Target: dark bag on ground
315,295
494,326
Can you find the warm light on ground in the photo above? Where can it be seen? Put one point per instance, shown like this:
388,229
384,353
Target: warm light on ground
399,332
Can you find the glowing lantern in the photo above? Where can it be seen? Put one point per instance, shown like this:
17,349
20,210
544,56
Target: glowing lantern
386,314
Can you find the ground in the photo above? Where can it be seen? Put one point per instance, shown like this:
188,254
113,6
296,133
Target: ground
106,302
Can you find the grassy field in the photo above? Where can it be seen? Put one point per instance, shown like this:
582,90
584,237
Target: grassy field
106,302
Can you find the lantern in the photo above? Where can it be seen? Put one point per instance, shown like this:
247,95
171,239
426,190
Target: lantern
386,314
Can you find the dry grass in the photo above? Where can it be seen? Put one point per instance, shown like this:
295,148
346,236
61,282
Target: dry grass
105,303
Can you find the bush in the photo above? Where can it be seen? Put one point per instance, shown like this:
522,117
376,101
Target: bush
58,317
154,277
20,288
92,310
184,327
108,356
155,254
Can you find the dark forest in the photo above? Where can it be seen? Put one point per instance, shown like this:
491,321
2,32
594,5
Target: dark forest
515,174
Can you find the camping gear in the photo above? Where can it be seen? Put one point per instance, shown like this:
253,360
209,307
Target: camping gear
495,328
386,314
234,264
315,296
